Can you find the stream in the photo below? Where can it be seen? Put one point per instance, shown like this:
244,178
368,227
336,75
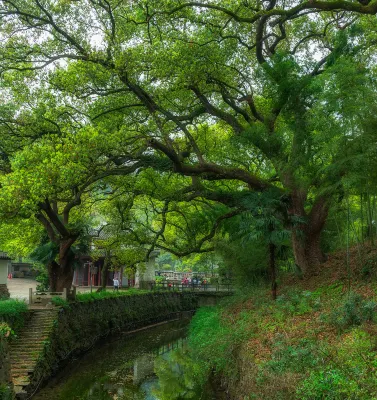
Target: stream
151,364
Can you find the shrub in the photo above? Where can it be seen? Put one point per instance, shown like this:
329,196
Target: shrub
294,357
6,392
87,297
159,279
214,340
298,303
369,267
13,312
347,373
331,384
5,330
353,311
43,280
58,301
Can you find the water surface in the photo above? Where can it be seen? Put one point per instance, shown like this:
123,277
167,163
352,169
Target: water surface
124,368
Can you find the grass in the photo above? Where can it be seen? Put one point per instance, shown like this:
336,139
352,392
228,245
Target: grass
317,341
88,297
12,308
13,313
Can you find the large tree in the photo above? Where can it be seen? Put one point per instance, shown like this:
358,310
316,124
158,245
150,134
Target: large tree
223,92
55,181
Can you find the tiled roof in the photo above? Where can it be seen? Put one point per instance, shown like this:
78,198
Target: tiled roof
4,256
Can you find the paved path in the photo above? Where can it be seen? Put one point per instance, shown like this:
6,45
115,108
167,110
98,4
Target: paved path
19,288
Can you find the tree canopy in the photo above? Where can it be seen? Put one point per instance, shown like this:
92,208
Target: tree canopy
214,110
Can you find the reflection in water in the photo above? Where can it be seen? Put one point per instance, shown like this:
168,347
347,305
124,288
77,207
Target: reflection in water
124,369
180,377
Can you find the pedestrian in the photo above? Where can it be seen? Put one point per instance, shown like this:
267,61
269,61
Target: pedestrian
116,283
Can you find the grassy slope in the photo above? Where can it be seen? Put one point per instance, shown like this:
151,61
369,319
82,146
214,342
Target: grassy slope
318,341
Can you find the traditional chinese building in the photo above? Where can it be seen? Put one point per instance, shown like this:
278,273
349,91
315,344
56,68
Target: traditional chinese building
89,273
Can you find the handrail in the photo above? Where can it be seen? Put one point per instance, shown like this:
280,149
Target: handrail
40,296
219,287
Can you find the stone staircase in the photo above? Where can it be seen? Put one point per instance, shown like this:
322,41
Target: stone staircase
25,351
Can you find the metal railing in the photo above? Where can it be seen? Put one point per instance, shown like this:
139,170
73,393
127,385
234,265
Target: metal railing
194,287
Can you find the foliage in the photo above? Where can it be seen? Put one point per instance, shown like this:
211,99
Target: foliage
297,358
353,311
159,279
6,392
5,330
43,280
348,374
296,302
206,118
180,376
214,341
13,313
89,297
59,302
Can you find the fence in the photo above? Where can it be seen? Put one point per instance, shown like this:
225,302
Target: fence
219,287
43,298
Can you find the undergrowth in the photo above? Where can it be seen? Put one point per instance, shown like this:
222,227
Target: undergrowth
13,312
307,345
88,297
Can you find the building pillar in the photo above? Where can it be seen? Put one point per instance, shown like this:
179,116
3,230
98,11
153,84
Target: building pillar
4,265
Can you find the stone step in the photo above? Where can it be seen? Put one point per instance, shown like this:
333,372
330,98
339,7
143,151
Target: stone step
19,388
28,342
32,336
35,331
22,356
30,359
25,357
16,357
24,339
31,345
26,350
23,367
35,327
37,321
19,372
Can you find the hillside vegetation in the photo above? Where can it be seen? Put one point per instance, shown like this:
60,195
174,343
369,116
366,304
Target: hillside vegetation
317,341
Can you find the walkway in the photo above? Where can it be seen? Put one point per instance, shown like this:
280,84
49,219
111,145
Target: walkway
29,347
19,288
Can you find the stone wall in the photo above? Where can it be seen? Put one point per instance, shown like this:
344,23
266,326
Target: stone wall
80,325
6,389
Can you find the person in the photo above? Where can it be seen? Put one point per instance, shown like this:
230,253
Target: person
116,283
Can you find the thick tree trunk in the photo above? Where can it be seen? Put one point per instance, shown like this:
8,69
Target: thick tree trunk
53,275
104,272
61,274
307,251
306,236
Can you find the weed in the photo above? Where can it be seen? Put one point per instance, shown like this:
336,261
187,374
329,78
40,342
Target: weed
88,297
353,311
60,302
